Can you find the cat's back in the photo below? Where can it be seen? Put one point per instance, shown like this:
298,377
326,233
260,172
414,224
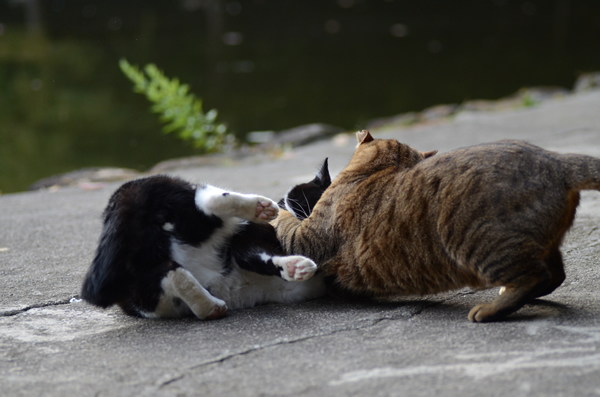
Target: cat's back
507,165
504,180
147,199
520,186
505,154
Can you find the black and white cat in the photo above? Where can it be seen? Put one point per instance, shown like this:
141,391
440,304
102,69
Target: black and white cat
171,249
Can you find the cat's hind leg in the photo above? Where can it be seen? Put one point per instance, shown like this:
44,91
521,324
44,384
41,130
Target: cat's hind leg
222,203
517,292
556,267
180,283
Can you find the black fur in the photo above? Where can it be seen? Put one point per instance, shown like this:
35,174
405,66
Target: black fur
134,251
255,238
302,198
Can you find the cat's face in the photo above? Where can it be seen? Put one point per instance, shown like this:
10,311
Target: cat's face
301,199
376,154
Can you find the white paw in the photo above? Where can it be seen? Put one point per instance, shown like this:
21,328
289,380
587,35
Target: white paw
501,291
218,310
296,268
266,209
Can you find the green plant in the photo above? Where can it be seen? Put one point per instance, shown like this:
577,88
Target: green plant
178,108
527,99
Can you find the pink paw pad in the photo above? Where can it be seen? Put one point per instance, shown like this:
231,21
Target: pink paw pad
291,267
218,312
265,210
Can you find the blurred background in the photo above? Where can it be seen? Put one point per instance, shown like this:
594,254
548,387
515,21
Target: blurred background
264,64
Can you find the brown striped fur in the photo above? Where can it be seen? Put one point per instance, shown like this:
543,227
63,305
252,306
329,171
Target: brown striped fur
398,221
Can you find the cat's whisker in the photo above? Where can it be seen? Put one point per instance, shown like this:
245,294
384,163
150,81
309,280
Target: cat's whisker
305,214
299,207
307,202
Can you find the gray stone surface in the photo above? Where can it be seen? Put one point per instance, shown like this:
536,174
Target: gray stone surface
52,344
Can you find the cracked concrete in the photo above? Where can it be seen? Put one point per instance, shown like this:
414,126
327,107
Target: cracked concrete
53,344
14,312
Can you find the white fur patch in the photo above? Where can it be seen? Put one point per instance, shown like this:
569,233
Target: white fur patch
244,288
204,261
219,202
289,208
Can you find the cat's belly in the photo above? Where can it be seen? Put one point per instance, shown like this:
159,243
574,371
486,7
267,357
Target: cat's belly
404,275
240,289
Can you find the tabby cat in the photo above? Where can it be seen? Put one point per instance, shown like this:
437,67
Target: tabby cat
398,221
170,249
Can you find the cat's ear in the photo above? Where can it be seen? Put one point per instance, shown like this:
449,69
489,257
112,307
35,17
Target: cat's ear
429,154
363,136
322,178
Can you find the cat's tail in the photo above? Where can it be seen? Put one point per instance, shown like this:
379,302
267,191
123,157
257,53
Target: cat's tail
136,237
132,237
103,283
583,171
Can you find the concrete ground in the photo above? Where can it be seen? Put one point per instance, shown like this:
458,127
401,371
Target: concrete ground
52,344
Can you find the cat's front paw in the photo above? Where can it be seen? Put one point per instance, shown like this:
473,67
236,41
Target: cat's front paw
297,268
266,210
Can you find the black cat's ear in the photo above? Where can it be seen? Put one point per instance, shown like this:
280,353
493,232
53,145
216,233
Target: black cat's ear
429,154
322,178
363,136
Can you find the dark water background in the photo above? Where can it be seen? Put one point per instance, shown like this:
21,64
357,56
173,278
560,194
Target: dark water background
264,64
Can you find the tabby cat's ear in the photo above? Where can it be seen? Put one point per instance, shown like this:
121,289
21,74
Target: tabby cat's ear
363,136
429,154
